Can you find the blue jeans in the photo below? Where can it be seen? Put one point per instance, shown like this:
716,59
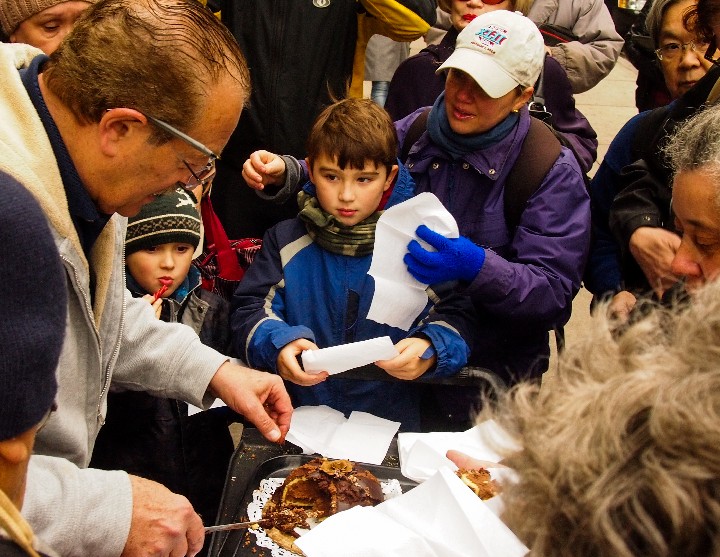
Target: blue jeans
379,91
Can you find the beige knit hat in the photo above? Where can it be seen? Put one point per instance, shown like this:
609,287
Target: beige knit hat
14,12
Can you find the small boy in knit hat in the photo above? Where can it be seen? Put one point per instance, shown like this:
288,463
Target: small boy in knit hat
153,437
40,23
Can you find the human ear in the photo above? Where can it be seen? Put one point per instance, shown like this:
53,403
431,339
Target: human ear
16,450
391,177
308,162
117,126
523,98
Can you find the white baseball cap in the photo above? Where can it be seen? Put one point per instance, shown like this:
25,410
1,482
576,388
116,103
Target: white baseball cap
499,50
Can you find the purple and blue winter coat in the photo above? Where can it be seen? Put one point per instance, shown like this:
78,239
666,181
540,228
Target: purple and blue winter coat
530,275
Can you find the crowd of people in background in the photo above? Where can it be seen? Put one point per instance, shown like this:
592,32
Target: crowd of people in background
119,117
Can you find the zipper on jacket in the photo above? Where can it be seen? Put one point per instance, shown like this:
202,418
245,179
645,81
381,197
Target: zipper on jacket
116,350
89,313
276,76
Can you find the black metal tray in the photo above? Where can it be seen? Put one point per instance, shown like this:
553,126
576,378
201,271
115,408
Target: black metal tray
239,543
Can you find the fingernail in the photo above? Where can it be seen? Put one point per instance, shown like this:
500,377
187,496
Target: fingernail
274,435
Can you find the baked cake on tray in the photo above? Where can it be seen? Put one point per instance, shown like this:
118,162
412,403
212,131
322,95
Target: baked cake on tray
316,490
310,493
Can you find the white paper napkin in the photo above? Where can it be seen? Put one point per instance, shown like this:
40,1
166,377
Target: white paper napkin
192,410
399,298
422,454
362,437
439,518
337,359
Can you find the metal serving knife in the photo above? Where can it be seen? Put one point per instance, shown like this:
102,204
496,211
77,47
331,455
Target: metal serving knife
233,526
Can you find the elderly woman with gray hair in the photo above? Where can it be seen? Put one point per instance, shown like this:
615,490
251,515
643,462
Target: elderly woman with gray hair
619,455
679,52
694,155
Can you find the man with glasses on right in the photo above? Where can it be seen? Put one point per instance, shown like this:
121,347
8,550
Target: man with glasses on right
139,98
640,216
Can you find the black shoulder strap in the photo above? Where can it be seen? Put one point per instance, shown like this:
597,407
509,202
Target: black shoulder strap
538,153
414,132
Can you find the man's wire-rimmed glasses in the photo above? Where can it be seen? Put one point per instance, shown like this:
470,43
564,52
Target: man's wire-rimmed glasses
203,176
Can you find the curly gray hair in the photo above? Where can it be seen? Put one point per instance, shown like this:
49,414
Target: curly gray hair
620,453
695,146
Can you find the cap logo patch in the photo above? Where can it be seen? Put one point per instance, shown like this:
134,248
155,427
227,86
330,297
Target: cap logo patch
490,37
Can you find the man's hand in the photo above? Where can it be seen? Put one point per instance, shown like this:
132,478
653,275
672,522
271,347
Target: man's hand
263,168
163,523
260,397
409,364
290,369
654,249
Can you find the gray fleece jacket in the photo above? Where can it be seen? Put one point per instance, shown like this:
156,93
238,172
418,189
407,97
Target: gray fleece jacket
593,55
113,340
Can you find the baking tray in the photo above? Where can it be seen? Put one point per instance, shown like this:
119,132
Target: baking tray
241,543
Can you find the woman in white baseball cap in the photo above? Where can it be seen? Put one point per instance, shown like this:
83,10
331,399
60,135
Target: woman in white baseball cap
415,83
521,271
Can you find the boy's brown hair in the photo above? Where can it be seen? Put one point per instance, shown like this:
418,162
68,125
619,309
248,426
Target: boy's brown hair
353,132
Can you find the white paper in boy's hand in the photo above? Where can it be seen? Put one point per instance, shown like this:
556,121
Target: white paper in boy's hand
337,359
399,298
439,518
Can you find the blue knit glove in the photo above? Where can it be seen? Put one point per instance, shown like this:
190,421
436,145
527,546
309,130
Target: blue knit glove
455,258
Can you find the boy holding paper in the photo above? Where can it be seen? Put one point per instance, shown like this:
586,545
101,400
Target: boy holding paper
309,286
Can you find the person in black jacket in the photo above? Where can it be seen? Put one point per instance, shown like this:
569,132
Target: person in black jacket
302,56
640,216
682,65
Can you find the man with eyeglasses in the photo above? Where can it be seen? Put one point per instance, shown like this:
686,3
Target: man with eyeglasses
141,96
641,219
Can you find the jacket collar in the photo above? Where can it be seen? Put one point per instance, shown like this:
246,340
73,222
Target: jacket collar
494,162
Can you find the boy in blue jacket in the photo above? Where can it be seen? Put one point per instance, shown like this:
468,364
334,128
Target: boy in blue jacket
309,286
